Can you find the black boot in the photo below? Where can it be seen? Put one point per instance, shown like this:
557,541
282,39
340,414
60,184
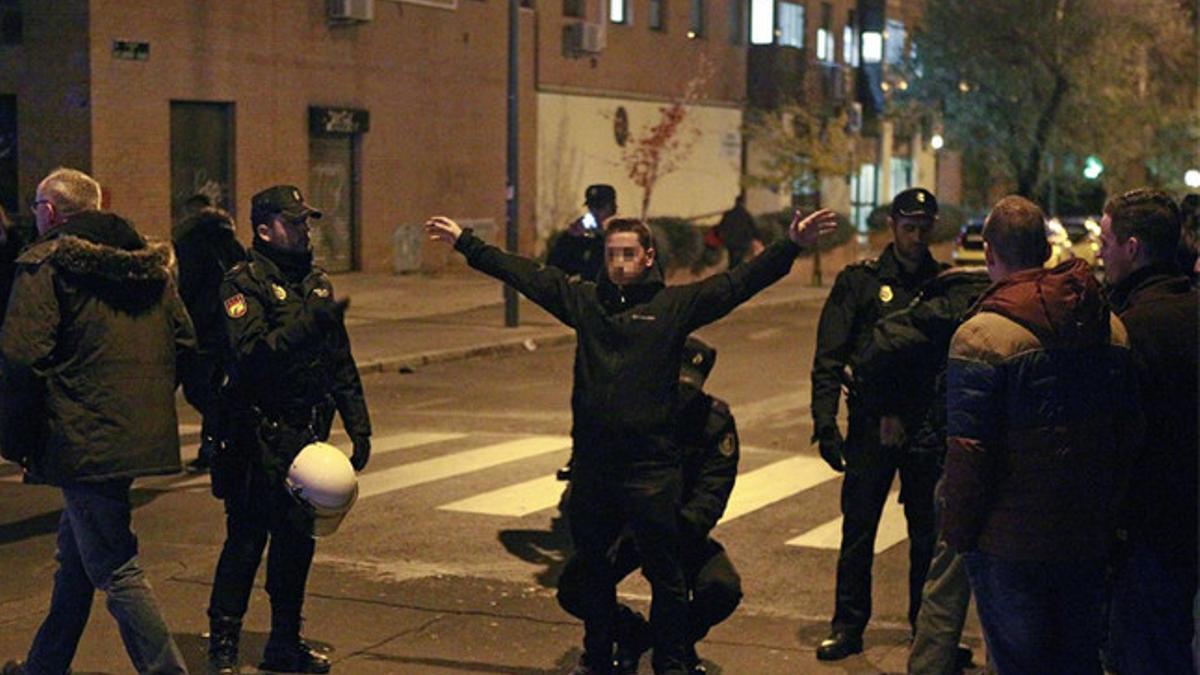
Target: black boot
287,653
223,645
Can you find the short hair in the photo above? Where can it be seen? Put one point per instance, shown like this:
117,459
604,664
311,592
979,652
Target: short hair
1015,230
71,191
1151,216
645,236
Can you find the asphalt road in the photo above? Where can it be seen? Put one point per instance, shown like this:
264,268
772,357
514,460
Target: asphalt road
447,564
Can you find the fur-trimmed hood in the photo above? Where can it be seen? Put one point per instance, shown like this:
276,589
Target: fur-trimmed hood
102,247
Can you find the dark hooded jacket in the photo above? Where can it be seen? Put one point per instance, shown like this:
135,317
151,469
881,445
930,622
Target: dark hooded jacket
89,349
1161,310
1042,419
206,247
629,340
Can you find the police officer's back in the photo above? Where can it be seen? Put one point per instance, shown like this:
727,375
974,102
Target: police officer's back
290,367
579,250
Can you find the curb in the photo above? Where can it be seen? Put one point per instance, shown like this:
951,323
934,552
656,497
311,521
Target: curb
409,362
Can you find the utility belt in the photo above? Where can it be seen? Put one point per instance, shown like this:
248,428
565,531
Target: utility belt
266,440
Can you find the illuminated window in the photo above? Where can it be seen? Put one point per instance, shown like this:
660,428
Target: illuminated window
618,11
894,45
850,42
825,34
872,46
791,24
762,22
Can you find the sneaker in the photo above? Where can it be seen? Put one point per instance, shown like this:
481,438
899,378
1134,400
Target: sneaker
294,658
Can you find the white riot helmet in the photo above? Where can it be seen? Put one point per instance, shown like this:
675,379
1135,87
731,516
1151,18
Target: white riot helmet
322,479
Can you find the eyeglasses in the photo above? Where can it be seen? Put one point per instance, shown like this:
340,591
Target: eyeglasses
33,205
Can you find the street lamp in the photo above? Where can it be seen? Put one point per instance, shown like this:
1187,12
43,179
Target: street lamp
937,142
1192,178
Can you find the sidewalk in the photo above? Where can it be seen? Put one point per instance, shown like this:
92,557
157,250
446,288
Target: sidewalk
402,322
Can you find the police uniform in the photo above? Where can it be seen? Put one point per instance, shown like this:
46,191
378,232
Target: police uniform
863,293
289,367
707,435
579,250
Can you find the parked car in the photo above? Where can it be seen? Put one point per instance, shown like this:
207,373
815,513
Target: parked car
968,246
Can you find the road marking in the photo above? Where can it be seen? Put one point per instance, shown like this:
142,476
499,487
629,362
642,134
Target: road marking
379,446
467,461
892,530
775,482
517,500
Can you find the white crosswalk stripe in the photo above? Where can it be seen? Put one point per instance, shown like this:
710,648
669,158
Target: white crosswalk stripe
775,482
521,499
892,530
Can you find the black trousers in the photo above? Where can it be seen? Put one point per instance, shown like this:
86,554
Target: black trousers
263,514
864,490
608,496
714,587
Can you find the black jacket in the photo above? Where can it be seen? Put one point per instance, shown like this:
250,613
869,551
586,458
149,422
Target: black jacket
862,294
629,340
94,330
578,252
206,247
283,362
1161,311
902,369
709,440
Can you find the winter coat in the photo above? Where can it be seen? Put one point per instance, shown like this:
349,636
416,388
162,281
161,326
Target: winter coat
206,247
629,339
89,352
903,367
1042,418
1161,311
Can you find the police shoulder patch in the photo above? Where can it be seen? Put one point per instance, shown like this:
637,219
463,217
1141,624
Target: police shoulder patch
279,291
727,445
235,306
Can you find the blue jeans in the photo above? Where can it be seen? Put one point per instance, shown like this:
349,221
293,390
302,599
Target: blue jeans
1150,617
1039,616
98,550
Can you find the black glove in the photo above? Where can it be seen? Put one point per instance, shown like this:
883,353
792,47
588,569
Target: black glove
325,310
830,443
362,452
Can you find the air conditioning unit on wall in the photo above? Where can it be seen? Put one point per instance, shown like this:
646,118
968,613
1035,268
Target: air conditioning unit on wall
585,37
350,10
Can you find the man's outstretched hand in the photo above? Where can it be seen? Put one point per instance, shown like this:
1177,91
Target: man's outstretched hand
441,228
804,232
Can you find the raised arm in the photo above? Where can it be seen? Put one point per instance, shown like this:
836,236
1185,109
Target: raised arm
720,294
549,287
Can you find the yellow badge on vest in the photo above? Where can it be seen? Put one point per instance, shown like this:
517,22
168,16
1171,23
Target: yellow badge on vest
885,293
279,291
235,306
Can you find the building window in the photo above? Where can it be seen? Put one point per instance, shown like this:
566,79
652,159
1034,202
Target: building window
762,22
894,42
697,19
872,46
658,15
737,21
573,9
619,11
791,25
12,24
850,41
202,153
825,34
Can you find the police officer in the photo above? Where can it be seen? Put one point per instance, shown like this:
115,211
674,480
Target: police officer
290,367
875,446
579,250
708,435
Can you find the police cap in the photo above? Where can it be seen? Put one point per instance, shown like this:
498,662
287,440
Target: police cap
280,199
915,203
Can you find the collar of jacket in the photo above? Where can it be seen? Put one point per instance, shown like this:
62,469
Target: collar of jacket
287,264
99,227
1156,274
1063,306
617,298
892,269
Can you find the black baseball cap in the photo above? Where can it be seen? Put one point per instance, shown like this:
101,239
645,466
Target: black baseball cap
281,199
915,203
600,193
698,360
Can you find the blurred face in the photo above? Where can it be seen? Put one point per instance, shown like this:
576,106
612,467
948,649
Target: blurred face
285,233
625,259
1117,255
911,236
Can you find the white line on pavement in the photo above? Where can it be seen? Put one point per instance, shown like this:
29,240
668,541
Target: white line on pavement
892,530
517,500
456,464
774,482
